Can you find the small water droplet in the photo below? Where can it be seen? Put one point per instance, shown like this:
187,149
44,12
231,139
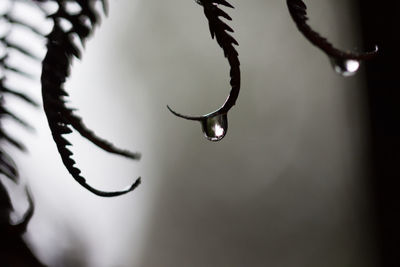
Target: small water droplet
345,67
215,127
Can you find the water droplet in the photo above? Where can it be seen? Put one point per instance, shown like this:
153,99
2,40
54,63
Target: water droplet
215,127
345,67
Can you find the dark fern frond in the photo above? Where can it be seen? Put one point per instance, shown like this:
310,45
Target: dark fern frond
78,125
298,11
7,67
19,95
61,49
10,45
13,249
18,22
7,165
5,136
6,112
220,31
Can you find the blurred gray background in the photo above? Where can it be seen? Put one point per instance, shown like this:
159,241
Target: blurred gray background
284,188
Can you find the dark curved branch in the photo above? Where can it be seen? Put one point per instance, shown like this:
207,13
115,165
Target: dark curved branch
298,11
219,29
61,50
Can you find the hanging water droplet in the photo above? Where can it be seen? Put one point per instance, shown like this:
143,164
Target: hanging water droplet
345,67
215,127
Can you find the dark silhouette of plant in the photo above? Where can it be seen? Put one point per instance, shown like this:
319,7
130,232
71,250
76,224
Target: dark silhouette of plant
345,63
62,47
13,250
73,22
215,124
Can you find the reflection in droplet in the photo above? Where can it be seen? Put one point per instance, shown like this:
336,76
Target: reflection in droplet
215,127
345,67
